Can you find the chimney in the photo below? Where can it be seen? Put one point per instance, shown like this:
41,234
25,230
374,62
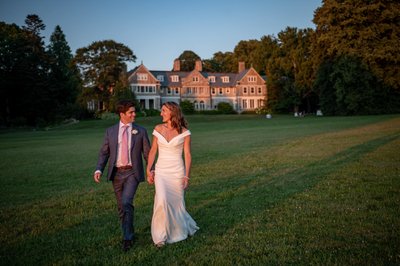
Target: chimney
177,65
241,67
198,66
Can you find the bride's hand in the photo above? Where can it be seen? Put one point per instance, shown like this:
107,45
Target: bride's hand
185,182
150,177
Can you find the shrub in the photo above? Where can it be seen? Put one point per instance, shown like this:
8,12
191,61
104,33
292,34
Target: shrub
225,108
187,107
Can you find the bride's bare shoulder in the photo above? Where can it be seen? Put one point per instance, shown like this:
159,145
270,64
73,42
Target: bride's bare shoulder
159,127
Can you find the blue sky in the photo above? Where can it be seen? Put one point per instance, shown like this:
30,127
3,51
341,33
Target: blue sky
159,31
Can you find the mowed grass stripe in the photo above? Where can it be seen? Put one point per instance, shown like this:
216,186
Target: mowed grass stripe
252,207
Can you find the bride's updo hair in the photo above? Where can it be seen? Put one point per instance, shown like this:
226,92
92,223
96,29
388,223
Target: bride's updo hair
178,121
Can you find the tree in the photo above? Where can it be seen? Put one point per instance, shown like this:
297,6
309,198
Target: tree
264,53
347,87
24,74
14,51
324,87
188,60
247,51
221,62
102,65
353,86
34,25
64,78
289,70
369,30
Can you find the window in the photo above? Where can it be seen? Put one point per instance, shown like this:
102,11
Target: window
196,105
252,90
175,78
189,90
245,90
228,91
252,78
160,77
211,79
213,90
259,90
244,104
91,105
141,76
225,79
176,90
251,104
201,105
220,91
169,91
195,79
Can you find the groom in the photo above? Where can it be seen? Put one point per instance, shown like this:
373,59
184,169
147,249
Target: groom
123,148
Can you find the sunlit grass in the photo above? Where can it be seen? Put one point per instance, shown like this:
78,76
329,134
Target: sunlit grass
313,190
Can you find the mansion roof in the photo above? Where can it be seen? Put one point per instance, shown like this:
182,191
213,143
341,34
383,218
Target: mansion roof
212,79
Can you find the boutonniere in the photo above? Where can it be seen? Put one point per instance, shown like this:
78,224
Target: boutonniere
134,131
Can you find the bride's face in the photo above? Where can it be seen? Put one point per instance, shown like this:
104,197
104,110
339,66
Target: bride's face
166,114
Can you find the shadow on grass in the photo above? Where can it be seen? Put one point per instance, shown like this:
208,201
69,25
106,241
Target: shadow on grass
230,201
228,209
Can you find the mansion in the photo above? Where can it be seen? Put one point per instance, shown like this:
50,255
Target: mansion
245,90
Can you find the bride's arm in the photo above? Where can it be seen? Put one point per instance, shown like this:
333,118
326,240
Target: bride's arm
188,161
152,156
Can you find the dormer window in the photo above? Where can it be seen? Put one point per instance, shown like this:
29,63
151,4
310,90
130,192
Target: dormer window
252,78
175,78
160,78
225,79
141,76
211,79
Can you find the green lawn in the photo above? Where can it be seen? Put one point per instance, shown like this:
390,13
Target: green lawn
312,190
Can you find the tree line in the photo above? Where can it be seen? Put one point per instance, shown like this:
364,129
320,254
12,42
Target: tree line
348,65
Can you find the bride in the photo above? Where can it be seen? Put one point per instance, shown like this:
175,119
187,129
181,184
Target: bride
171,222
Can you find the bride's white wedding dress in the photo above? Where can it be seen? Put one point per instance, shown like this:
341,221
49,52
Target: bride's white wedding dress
171,222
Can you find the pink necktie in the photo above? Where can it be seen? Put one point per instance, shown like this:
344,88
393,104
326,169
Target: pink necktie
124,147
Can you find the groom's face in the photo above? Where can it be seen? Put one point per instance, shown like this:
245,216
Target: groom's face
128,116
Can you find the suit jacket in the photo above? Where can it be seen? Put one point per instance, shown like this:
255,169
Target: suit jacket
140,147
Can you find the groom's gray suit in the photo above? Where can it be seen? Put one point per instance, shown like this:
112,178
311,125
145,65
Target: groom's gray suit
125,180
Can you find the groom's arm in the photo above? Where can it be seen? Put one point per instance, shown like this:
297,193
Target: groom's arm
146,146
104,155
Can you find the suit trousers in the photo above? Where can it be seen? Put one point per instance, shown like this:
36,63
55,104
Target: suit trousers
125,186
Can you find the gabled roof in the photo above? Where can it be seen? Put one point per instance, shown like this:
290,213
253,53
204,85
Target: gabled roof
242,74
141,66
167,82
167,77
218,79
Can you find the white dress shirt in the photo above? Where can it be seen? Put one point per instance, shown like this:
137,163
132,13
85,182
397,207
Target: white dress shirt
121,130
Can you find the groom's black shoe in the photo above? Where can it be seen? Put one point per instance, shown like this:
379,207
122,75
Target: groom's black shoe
127,244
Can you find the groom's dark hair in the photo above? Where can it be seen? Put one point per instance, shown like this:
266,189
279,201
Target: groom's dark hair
123,106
